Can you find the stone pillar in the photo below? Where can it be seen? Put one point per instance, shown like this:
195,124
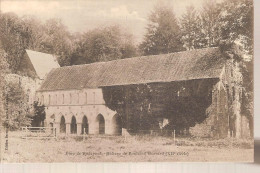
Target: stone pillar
95,127
91,127
108,127
237,112
79,126
67,128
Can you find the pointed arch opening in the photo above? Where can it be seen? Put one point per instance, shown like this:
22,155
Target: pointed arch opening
84,125
73,125
62,125
117,125
100,121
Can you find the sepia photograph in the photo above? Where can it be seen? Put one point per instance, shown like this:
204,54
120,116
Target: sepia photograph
126,81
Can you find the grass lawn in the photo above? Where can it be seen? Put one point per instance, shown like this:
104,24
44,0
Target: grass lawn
121,149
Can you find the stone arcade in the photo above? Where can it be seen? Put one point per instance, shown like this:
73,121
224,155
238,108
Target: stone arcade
74,100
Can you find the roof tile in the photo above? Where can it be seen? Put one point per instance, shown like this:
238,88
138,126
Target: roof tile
187,65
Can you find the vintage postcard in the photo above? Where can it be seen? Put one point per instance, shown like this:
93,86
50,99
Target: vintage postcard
126,81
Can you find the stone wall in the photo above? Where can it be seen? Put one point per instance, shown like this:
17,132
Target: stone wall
225,118
77,104
216,123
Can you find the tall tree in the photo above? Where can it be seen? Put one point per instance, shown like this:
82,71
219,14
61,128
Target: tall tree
103,44
191,29
14,36
237,22
3,71
39,115
163,33
148,104
210,23
128,47
36,33
18,109
57,41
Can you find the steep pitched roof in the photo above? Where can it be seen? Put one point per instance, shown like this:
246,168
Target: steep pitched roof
187,65
43,63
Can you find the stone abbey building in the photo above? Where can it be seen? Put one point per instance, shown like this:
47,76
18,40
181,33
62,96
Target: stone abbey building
74,99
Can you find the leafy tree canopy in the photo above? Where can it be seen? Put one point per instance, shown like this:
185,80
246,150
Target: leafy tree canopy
103,44
39,114
163,34
15,105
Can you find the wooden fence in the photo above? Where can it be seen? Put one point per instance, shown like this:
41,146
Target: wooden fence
39,132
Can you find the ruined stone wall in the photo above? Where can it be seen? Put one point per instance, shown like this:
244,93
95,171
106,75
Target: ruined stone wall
224,114
203,129
232,79
216,123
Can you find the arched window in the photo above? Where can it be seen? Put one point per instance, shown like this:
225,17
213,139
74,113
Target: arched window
117,125
94,98
100,126
56,99
70,98
42,100
73,125
84,127
49,99
86,97
62,98
62,125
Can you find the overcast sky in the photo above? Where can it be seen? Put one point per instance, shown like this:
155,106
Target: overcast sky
85,15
